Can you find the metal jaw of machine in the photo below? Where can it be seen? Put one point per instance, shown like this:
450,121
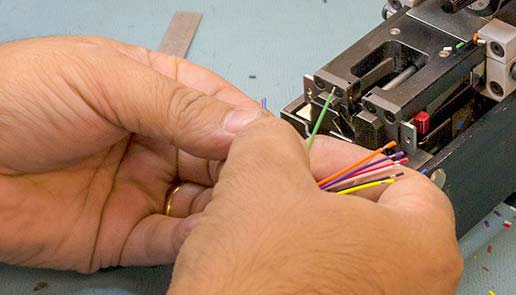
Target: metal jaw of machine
439,77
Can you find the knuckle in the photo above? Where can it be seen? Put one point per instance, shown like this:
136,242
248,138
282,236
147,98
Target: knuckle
185,106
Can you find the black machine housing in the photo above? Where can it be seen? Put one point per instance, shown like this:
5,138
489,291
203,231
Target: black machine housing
400,69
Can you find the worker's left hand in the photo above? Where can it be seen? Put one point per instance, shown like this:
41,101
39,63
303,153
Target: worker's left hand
92,134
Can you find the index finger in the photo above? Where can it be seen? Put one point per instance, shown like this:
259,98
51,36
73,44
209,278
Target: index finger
179,69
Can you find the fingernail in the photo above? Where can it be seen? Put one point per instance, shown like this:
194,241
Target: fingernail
239,118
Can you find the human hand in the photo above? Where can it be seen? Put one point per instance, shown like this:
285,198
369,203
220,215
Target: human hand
272,231
92,134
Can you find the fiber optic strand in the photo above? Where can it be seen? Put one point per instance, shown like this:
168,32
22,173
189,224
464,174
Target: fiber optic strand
367,174
263,103
352,172
374,183
328,179
320,119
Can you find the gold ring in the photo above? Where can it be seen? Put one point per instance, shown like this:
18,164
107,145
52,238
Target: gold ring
171,192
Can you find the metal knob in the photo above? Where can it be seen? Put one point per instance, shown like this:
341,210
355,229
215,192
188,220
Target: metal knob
452,6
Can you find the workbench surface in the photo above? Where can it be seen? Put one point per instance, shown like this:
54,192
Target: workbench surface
278,41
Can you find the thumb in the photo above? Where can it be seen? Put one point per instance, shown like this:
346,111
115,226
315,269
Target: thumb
267,159
141,100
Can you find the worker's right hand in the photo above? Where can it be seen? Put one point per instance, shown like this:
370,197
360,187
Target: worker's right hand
270,230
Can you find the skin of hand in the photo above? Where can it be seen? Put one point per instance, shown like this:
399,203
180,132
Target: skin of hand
92,134
270,230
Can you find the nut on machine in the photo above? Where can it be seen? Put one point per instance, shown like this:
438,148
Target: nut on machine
439,77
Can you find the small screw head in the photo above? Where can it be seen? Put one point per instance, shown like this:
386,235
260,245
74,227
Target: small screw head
395,31
319,83
339,92
370,107
389,116
497,49
496,88
513,71
396,4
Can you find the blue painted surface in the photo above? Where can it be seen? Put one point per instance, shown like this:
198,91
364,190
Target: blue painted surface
278,41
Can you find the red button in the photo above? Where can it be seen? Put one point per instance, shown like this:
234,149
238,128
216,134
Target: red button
422,122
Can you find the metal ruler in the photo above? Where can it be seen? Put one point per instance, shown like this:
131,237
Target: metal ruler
180,33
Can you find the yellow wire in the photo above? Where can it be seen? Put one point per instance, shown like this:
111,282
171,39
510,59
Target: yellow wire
365,186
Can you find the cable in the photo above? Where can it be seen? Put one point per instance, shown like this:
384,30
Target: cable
357,164
400,161
365,174
350,173
320,119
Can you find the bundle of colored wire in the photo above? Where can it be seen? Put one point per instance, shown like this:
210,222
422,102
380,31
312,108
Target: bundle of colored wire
357,164
320,119
357,170
400,161
366,174
385,180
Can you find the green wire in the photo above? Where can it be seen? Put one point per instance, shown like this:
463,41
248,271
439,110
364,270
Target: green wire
320,119
460,45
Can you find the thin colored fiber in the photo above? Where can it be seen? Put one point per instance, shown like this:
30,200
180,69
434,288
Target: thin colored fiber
399,162
497,213
357,164
320,119
357,170
491,292
460,45
365,186
486,223
357,177
342,185
489,249
264,103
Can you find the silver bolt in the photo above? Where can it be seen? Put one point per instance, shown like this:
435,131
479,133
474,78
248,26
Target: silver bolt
395,31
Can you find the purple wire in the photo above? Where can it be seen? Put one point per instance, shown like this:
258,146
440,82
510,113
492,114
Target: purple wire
351,173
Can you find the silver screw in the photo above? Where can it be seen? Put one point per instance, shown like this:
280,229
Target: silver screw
395,31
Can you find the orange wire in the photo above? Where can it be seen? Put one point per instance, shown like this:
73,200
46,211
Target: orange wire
475,38
357,164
